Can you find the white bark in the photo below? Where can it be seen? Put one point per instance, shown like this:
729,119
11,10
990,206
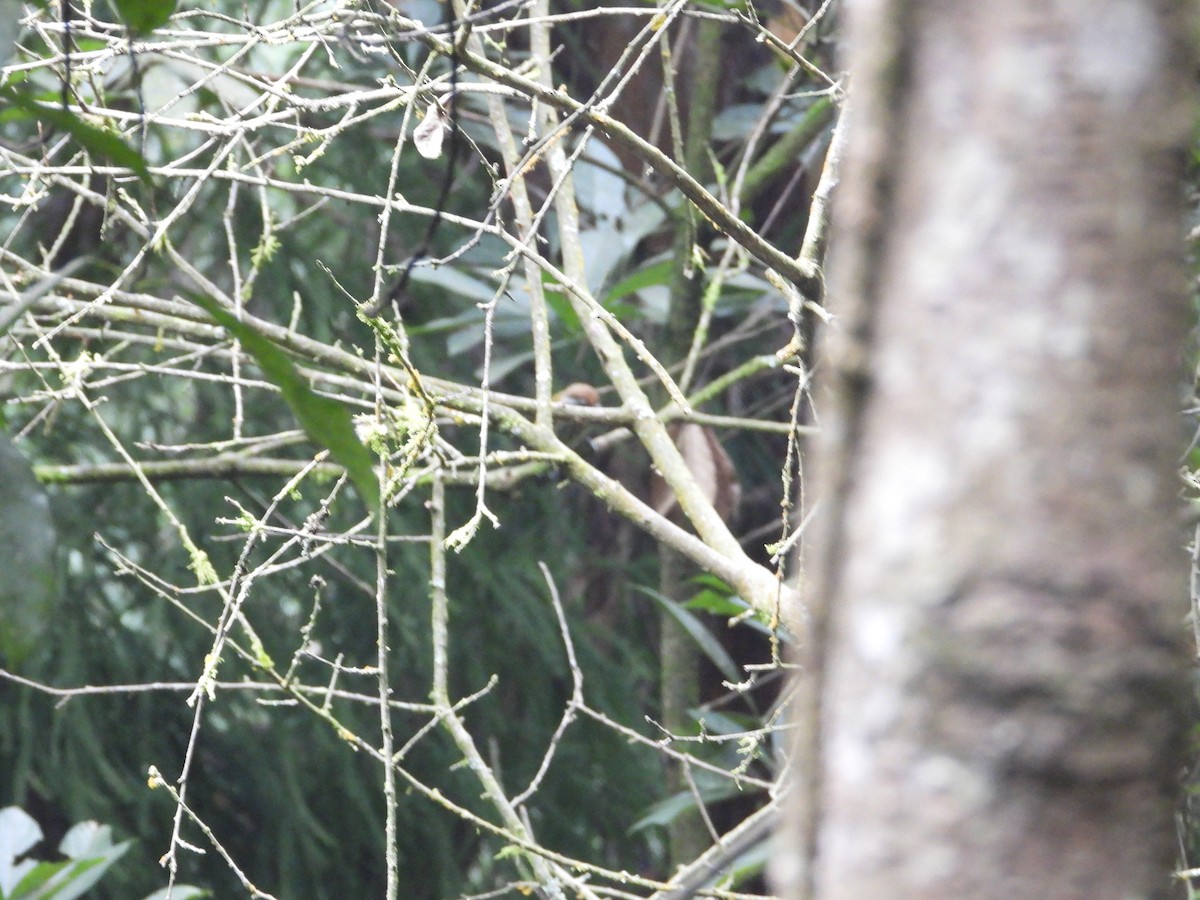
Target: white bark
998,589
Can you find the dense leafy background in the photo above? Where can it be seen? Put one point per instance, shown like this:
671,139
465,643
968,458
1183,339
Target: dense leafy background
301,811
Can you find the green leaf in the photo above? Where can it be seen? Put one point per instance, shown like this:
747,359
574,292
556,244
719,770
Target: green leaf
458,281
88,845
725,723
10,27
327,422
27,542
562,308
143,16
707,579
77,876
750,863
701,635
13,311
716,597
664,812
719,599
712,789
97,141
36,876
717,603
655,274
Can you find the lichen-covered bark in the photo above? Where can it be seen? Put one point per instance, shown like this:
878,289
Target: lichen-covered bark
999,586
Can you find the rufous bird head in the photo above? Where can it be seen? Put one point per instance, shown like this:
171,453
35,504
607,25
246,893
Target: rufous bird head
578,394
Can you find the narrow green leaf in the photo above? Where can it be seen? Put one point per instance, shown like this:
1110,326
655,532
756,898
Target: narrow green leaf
719,599
79,876
327,422
143,16
27,543
654,274
663,812
10,27
726,723
36,878
717,603
702,636
562,308
707,579
97,141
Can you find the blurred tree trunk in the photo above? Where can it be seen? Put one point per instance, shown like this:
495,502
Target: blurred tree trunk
993,698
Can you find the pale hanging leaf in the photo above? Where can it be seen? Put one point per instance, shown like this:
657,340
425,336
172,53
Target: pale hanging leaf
429,134
18,832
178,892
709,464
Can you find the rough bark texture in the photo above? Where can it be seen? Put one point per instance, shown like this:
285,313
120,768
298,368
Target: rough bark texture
994,704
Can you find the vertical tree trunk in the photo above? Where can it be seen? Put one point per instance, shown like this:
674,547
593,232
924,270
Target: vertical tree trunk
995,675
679,664
679,657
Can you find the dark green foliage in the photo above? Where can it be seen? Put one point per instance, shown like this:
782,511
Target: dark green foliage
27,541
104,145
326,422
253,762
143,16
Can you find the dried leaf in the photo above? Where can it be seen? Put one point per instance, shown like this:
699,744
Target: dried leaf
788,24
709,464
429,134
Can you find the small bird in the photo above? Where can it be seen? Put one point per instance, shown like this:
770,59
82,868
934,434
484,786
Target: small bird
578,394
576,433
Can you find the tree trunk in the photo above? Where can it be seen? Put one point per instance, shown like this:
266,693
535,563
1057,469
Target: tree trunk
994,686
